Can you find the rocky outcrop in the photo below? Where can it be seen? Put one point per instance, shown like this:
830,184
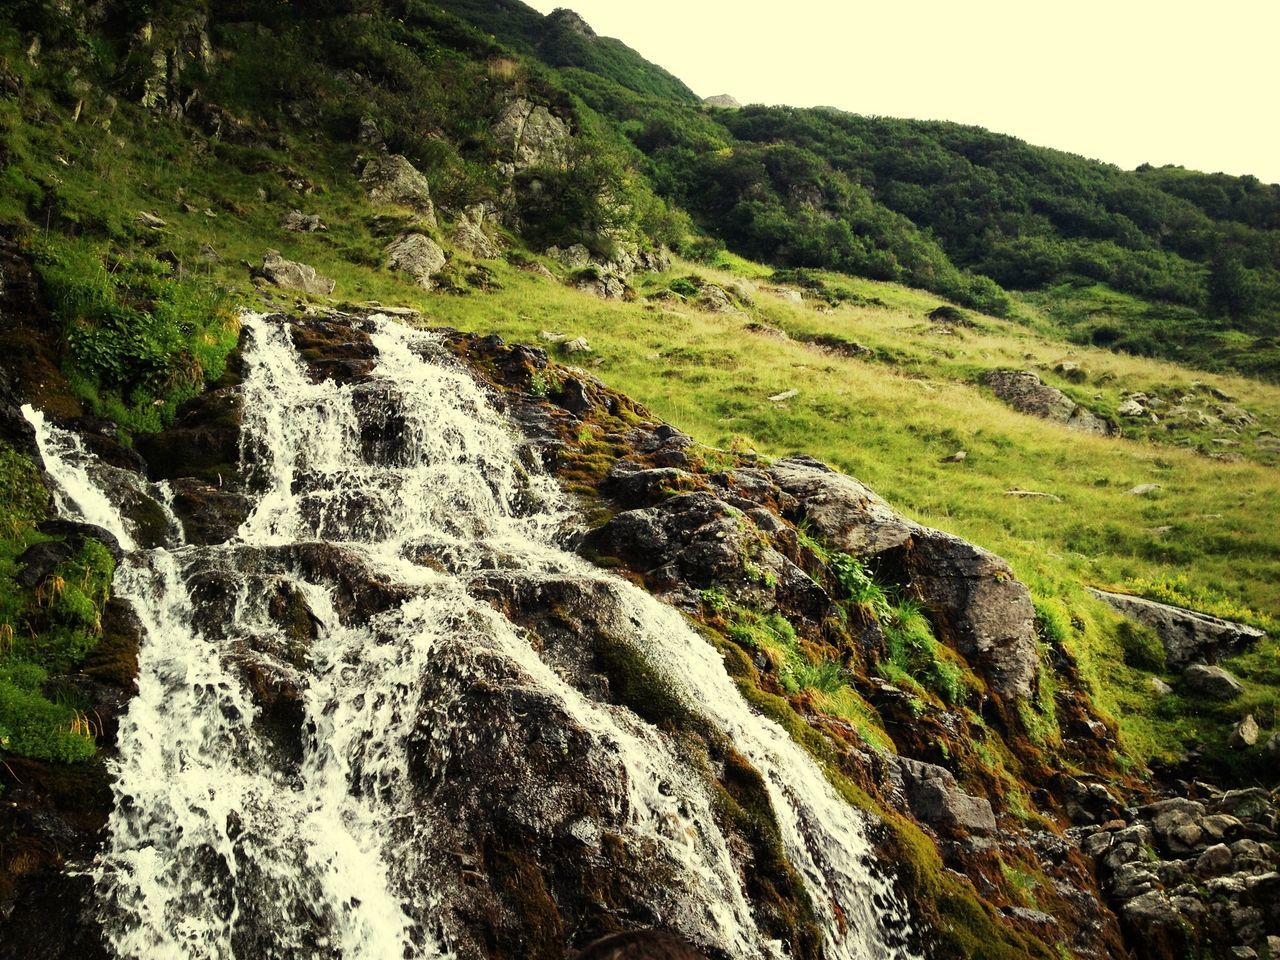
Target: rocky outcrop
1026,392
391,178
417,255
295,221
469,234
976,601
291,275
1187,635
1194,876
530,135
722,100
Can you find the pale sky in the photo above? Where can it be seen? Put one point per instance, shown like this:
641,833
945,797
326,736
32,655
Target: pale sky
1126,81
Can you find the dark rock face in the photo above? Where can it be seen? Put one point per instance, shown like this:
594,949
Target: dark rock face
935,798
977,603
1187,635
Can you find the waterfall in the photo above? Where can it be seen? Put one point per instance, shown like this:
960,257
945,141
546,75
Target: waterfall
238,835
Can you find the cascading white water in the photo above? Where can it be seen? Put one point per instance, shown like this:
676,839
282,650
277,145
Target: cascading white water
220,849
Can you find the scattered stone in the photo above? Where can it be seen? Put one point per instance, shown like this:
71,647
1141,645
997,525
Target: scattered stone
299,222
150,220
1131,408
209,255
1070,370
417,255
958,457
1187,635
1213,682
715,299
291,275
391,178
1245,734
784,395
1142,490
576,345
1272,750
1033,494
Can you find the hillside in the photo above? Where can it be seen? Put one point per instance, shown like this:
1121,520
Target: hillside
716,291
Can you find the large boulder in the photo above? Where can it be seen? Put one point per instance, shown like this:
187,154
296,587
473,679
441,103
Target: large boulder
417,255
978,605
1187,635
1027,393
936,799
1213,682
391,178
291,275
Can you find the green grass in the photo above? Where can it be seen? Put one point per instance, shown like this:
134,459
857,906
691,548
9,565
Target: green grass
44,631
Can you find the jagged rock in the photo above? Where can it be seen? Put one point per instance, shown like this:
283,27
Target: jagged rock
1213,682
1245,733
935,798
298,222
722,100
1026,392
1131,408
291,275
391,178
530,134
468,235
417,255
1187,635
977,603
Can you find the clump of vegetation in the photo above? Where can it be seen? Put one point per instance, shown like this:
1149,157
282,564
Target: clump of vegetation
139,340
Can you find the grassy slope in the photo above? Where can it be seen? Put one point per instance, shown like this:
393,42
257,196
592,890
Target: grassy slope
888,424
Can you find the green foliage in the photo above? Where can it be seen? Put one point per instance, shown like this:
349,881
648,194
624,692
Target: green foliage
139,340
859,587
915,652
